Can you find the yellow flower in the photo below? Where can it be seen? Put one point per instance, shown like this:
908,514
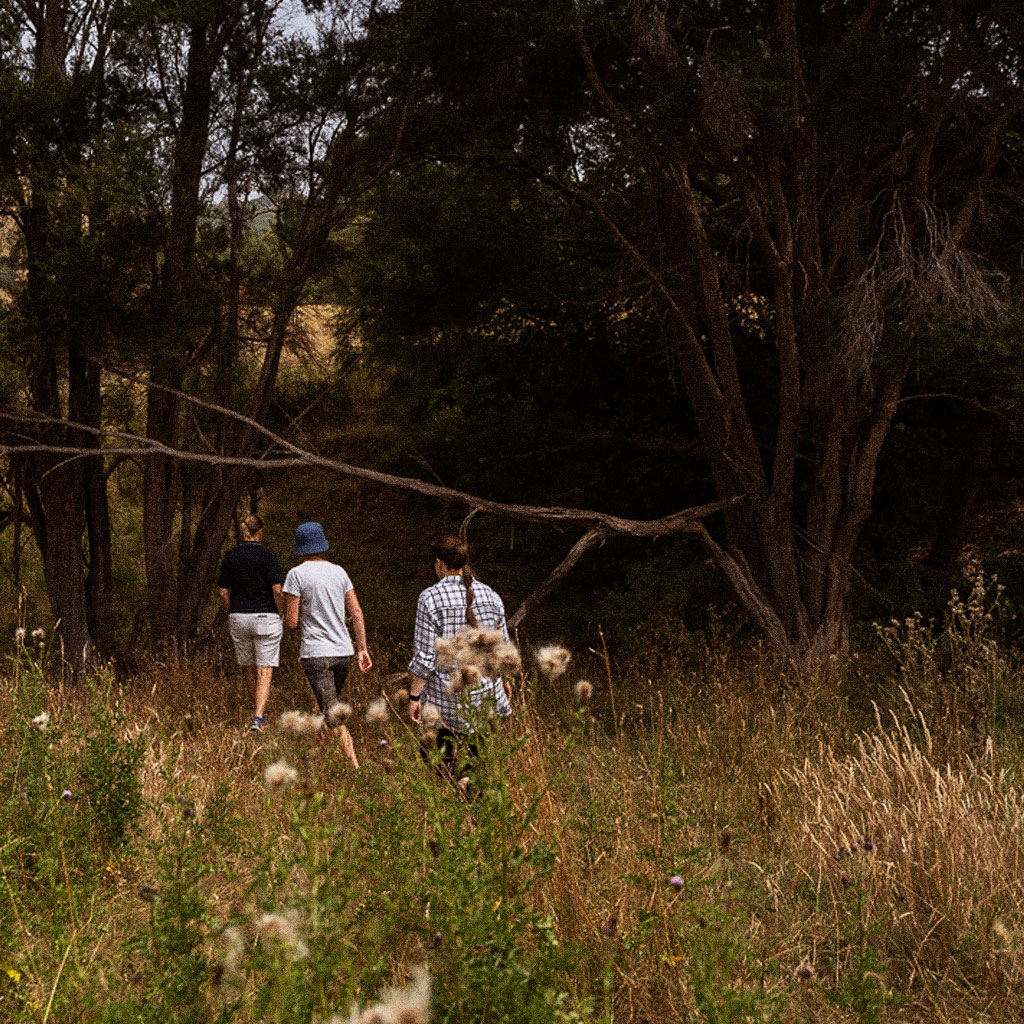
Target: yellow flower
14,975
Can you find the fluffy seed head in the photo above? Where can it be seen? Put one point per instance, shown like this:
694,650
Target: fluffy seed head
284,928
484,639
552,661
280,775
19,635
41,721
447,651
38,633
507,660
300,724
400,697
465,678
431,715
583,691
234,949
377,712
407,1004
338,712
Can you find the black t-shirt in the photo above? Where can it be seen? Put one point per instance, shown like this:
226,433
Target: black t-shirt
249,571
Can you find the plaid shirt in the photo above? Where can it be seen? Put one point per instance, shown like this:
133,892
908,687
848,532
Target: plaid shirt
441,611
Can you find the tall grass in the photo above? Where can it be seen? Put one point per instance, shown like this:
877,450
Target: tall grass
712,838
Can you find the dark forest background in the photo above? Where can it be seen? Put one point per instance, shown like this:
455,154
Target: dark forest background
623,257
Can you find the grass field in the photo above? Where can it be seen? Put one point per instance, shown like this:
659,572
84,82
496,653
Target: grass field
710,838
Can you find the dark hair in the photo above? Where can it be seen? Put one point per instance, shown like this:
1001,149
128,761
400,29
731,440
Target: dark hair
454,554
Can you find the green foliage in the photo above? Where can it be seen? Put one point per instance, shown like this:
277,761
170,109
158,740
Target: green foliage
109,772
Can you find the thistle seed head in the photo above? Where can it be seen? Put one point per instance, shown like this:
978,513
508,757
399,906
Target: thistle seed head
552,660
298,723
583,691
338,712
377,712
284,928
280,775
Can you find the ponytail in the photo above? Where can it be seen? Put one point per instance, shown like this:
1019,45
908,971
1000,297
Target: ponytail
454,554
467,578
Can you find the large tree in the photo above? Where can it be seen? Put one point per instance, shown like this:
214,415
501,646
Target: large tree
803,192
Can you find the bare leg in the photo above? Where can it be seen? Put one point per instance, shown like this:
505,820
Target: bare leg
250,678
261,688
347,745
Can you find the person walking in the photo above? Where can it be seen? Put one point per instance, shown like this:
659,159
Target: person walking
249,587
317,595
457,602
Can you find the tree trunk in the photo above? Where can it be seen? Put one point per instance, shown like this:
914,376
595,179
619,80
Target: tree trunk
85,406
176,333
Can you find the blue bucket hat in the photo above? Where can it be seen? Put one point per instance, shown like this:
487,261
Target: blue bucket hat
309,539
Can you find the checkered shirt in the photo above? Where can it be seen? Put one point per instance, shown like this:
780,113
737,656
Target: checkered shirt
441,611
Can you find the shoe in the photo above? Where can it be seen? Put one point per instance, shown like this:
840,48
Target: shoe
258,724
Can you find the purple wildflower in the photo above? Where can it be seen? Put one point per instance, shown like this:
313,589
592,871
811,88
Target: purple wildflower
676,881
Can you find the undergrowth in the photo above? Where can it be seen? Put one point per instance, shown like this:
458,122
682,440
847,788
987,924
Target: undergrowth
713,838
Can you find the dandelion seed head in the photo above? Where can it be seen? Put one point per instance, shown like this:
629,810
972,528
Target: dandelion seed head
41,721
377,712
552,660
19,635
338,712
280,775
583,691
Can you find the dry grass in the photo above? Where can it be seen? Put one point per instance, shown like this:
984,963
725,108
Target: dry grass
803,839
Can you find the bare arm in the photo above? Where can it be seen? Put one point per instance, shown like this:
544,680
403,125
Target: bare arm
225,598
291,611
278,599
416,684
359,629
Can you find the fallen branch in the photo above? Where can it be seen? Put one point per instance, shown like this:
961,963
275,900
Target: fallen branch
600,525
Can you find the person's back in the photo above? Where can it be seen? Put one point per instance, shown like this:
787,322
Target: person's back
249,586
318,593
321,587
249,571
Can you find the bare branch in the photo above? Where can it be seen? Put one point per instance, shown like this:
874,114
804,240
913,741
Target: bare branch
677,522
576,552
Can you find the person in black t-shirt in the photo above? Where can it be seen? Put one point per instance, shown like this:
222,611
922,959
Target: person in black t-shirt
250,591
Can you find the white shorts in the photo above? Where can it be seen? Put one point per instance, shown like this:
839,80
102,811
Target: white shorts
257,637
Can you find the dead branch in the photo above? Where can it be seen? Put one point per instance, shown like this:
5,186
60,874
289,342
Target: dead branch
576,552
600,525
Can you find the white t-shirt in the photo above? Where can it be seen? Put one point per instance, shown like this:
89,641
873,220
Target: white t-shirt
321,587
